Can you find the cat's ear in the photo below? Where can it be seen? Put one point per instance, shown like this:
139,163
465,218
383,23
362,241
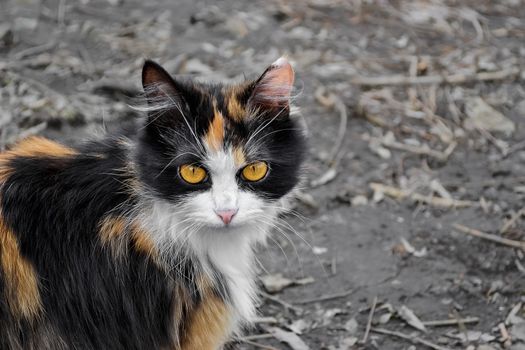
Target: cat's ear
160,88
273,88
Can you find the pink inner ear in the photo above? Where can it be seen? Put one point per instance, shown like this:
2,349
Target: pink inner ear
156,81
275,87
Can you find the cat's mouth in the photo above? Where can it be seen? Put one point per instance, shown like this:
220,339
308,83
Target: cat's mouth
226,226
226,215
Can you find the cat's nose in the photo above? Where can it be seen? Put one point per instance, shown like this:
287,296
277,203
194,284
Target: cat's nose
226,215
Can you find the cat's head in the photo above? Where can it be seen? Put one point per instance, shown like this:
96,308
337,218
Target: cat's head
220,157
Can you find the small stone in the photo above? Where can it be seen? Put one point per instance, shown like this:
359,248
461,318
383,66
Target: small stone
195,65
347,343
351,326
275,283
359,200
237,27
319,250
24,23
518,332
298,326
485,347
482,115
6,35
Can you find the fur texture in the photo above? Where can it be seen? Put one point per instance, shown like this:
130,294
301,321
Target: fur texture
106,246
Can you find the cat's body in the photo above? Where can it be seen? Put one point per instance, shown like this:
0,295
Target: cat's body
146,241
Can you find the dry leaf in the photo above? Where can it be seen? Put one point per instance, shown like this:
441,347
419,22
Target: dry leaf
298,326
482,115
275,283
289,338
513,318
327,177
319,250
351,326
410,318
472,336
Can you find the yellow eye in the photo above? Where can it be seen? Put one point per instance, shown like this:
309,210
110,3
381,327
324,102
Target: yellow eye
192,174
255,171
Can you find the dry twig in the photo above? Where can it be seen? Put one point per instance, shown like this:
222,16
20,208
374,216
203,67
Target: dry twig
510,222
34,50
250,340
259,345
512,72
327,297
489,237
256,336
415,340
439,202
343,115
451,322
442,156
369,323
288,306
330,101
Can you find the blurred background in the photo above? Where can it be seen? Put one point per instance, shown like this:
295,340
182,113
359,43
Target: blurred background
408,231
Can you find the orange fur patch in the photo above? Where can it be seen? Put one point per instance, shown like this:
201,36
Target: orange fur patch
22,293
116,232
112,232
215,135
209,325
112,227
238,156
21,281
142,241
235,109
35,146
5,169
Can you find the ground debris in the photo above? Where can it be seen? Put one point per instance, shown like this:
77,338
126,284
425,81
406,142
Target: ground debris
440,202
410,318
472,336
414,116
276,282
291,339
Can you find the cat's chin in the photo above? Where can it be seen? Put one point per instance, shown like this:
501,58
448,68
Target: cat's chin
231,228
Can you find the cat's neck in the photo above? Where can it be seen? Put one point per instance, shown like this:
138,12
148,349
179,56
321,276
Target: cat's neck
226,258
233,258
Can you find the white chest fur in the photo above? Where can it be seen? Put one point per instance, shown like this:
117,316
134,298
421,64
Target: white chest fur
233,257
230,252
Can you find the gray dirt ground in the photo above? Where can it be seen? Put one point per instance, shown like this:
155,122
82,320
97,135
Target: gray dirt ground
66,66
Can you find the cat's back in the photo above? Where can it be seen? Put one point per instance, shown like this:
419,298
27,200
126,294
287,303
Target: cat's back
59,283
30,157
21,188
49,191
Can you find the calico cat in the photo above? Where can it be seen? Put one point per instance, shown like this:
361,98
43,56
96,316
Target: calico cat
145,240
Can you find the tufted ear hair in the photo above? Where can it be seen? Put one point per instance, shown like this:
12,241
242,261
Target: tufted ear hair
274,86
161,90
166,103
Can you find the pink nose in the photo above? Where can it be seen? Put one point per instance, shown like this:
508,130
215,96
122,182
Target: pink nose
226,215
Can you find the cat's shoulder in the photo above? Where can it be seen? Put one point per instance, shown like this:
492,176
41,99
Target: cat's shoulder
37,147
32,153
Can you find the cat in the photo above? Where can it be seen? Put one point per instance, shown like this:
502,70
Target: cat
145,239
